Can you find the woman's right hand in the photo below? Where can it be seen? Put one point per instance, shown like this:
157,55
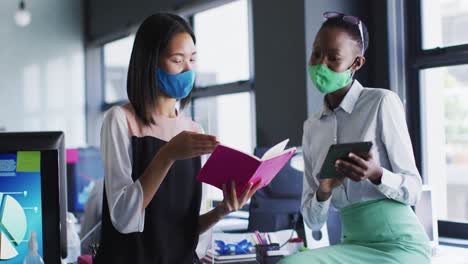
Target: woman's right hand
326,187
187,145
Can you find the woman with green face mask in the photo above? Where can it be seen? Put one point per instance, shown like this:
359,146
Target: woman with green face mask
375,191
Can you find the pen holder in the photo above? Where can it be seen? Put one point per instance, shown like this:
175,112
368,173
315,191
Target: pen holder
261,252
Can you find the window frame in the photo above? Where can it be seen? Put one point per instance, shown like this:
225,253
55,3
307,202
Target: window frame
236,87
189,12
107,105
240,86
419,59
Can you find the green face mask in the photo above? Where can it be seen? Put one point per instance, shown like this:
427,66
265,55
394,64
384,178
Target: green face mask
328,81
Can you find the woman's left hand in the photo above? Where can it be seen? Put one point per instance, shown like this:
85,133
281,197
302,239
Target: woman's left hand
360,168
231,202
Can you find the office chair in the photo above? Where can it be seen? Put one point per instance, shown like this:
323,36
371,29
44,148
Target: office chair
278,205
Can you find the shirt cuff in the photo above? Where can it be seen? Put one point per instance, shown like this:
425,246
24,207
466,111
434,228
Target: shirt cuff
390,182
320,206
127,214
320,212
141,222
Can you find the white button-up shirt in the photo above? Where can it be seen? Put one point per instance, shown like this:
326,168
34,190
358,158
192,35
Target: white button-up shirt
365,114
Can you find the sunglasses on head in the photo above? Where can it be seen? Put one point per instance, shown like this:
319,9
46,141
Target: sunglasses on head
349,19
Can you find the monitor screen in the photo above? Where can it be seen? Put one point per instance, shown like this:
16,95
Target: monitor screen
84,169
32,188
20,205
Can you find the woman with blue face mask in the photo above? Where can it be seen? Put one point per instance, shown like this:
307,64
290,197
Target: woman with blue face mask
375,191
151,153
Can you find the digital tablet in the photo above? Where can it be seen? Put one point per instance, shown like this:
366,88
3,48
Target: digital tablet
341,151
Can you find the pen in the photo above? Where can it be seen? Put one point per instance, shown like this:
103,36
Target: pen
254,239
259,237
267,238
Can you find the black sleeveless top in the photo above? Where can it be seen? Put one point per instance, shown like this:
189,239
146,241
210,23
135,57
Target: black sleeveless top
171,219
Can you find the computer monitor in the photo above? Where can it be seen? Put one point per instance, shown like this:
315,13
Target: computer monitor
84,169
278,205
32,196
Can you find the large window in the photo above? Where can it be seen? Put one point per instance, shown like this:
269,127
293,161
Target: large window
229,117
444,23
222,44
47,95
444,97
116,59
223,100
437,97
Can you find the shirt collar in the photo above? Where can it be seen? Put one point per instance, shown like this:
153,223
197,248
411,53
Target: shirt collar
349,101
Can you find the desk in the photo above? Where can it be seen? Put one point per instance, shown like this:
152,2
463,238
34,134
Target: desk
279,237
231,225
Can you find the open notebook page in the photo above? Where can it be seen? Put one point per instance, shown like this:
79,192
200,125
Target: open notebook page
277,150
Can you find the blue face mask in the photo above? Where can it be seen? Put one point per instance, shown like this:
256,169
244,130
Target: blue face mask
178,85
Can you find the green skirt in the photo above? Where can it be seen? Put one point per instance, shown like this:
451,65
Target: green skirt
381,231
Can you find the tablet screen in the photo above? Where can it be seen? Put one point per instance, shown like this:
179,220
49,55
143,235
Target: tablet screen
341,151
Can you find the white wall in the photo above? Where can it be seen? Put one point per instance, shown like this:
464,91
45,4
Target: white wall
42,69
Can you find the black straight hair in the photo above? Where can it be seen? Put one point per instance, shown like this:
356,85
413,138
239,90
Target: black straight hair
351,29
152,38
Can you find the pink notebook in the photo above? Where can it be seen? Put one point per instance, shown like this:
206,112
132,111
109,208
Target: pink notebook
226,163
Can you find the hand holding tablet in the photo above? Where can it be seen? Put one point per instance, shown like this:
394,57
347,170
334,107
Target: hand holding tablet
341,152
